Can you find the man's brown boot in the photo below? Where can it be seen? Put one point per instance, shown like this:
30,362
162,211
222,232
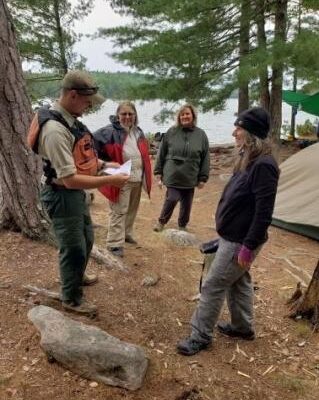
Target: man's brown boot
84,308
89,279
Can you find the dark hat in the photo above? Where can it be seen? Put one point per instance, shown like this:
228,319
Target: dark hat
256,121
84,84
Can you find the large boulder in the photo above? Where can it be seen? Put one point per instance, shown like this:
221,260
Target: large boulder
89,351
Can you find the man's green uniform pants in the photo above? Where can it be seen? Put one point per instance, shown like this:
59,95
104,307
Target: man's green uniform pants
72,226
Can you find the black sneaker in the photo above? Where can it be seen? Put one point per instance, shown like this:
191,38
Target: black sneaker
116,251
189,346
226,329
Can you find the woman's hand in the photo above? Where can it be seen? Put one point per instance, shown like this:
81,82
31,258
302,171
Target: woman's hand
245,257
200,185
159,181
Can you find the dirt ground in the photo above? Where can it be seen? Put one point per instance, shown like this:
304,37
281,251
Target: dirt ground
282,363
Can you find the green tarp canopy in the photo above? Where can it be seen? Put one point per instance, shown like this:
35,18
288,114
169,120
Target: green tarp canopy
303,102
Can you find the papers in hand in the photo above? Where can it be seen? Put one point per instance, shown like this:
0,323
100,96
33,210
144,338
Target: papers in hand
123,169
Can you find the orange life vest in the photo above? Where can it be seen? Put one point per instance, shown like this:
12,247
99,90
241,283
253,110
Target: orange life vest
84,154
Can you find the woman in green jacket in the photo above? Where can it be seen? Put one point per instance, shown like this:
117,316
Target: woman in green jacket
182,164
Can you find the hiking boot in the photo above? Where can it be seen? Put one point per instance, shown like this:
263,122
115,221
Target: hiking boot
158,227
189,346
84,308
130,240
116,251
89,279
226,329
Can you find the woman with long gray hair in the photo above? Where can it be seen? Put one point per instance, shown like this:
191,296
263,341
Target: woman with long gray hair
120,141
243,215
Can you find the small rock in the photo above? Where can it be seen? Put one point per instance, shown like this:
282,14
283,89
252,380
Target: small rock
11,391
150,280
180,238
5,285
94,384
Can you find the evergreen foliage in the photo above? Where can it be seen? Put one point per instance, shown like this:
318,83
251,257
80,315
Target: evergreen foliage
116,86
191,48
45,32
198,51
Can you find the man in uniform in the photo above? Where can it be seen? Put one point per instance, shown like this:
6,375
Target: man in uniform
70,166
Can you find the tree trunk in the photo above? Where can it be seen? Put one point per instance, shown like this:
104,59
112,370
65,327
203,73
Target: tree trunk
19,168
294,109
262,45
307,305
243,94
63,68
277,68
295,81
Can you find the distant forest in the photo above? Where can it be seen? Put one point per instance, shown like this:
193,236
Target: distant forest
115,86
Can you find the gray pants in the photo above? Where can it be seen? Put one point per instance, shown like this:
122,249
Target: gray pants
225,278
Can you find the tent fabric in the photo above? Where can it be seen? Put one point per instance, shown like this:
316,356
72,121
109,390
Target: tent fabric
297,200
302,101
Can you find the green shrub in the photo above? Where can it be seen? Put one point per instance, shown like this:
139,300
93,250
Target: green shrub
306,129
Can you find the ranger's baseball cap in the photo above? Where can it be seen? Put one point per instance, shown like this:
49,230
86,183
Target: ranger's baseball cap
83,83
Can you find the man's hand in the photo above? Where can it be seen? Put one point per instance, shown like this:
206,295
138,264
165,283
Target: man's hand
200,185
118,180
112,164
245,257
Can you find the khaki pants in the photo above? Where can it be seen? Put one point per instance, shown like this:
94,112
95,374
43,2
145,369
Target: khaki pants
122,214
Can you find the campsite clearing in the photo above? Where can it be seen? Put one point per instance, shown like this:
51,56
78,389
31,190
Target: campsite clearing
282,363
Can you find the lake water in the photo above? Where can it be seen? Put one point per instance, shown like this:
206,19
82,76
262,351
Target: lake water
218,127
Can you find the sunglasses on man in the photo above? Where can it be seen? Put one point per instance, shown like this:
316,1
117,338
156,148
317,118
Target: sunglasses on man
86,91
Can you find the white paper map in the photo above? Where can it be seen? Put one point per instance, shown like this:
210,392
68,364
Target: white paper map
123,169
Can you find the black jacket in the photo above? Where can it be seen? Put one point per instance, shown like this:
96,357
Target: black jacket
245,209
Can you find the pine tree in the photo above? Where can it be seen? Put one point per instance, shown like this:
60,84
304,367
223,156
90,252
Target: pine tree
45,34
203,51
190,47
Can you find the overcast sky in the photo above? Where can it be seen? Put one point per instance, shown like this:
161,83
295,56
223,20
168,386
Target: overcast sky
94,50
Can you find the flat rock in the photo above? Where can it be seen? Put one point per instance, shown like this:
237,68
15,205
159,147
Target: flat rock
88,351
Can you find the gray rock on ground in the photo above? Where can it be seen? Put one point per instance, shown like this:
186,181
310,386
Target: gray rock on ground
88,351
180,238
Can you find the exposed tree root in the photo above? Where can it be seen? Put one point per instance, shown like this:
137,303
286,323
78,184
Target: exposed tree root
306,304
